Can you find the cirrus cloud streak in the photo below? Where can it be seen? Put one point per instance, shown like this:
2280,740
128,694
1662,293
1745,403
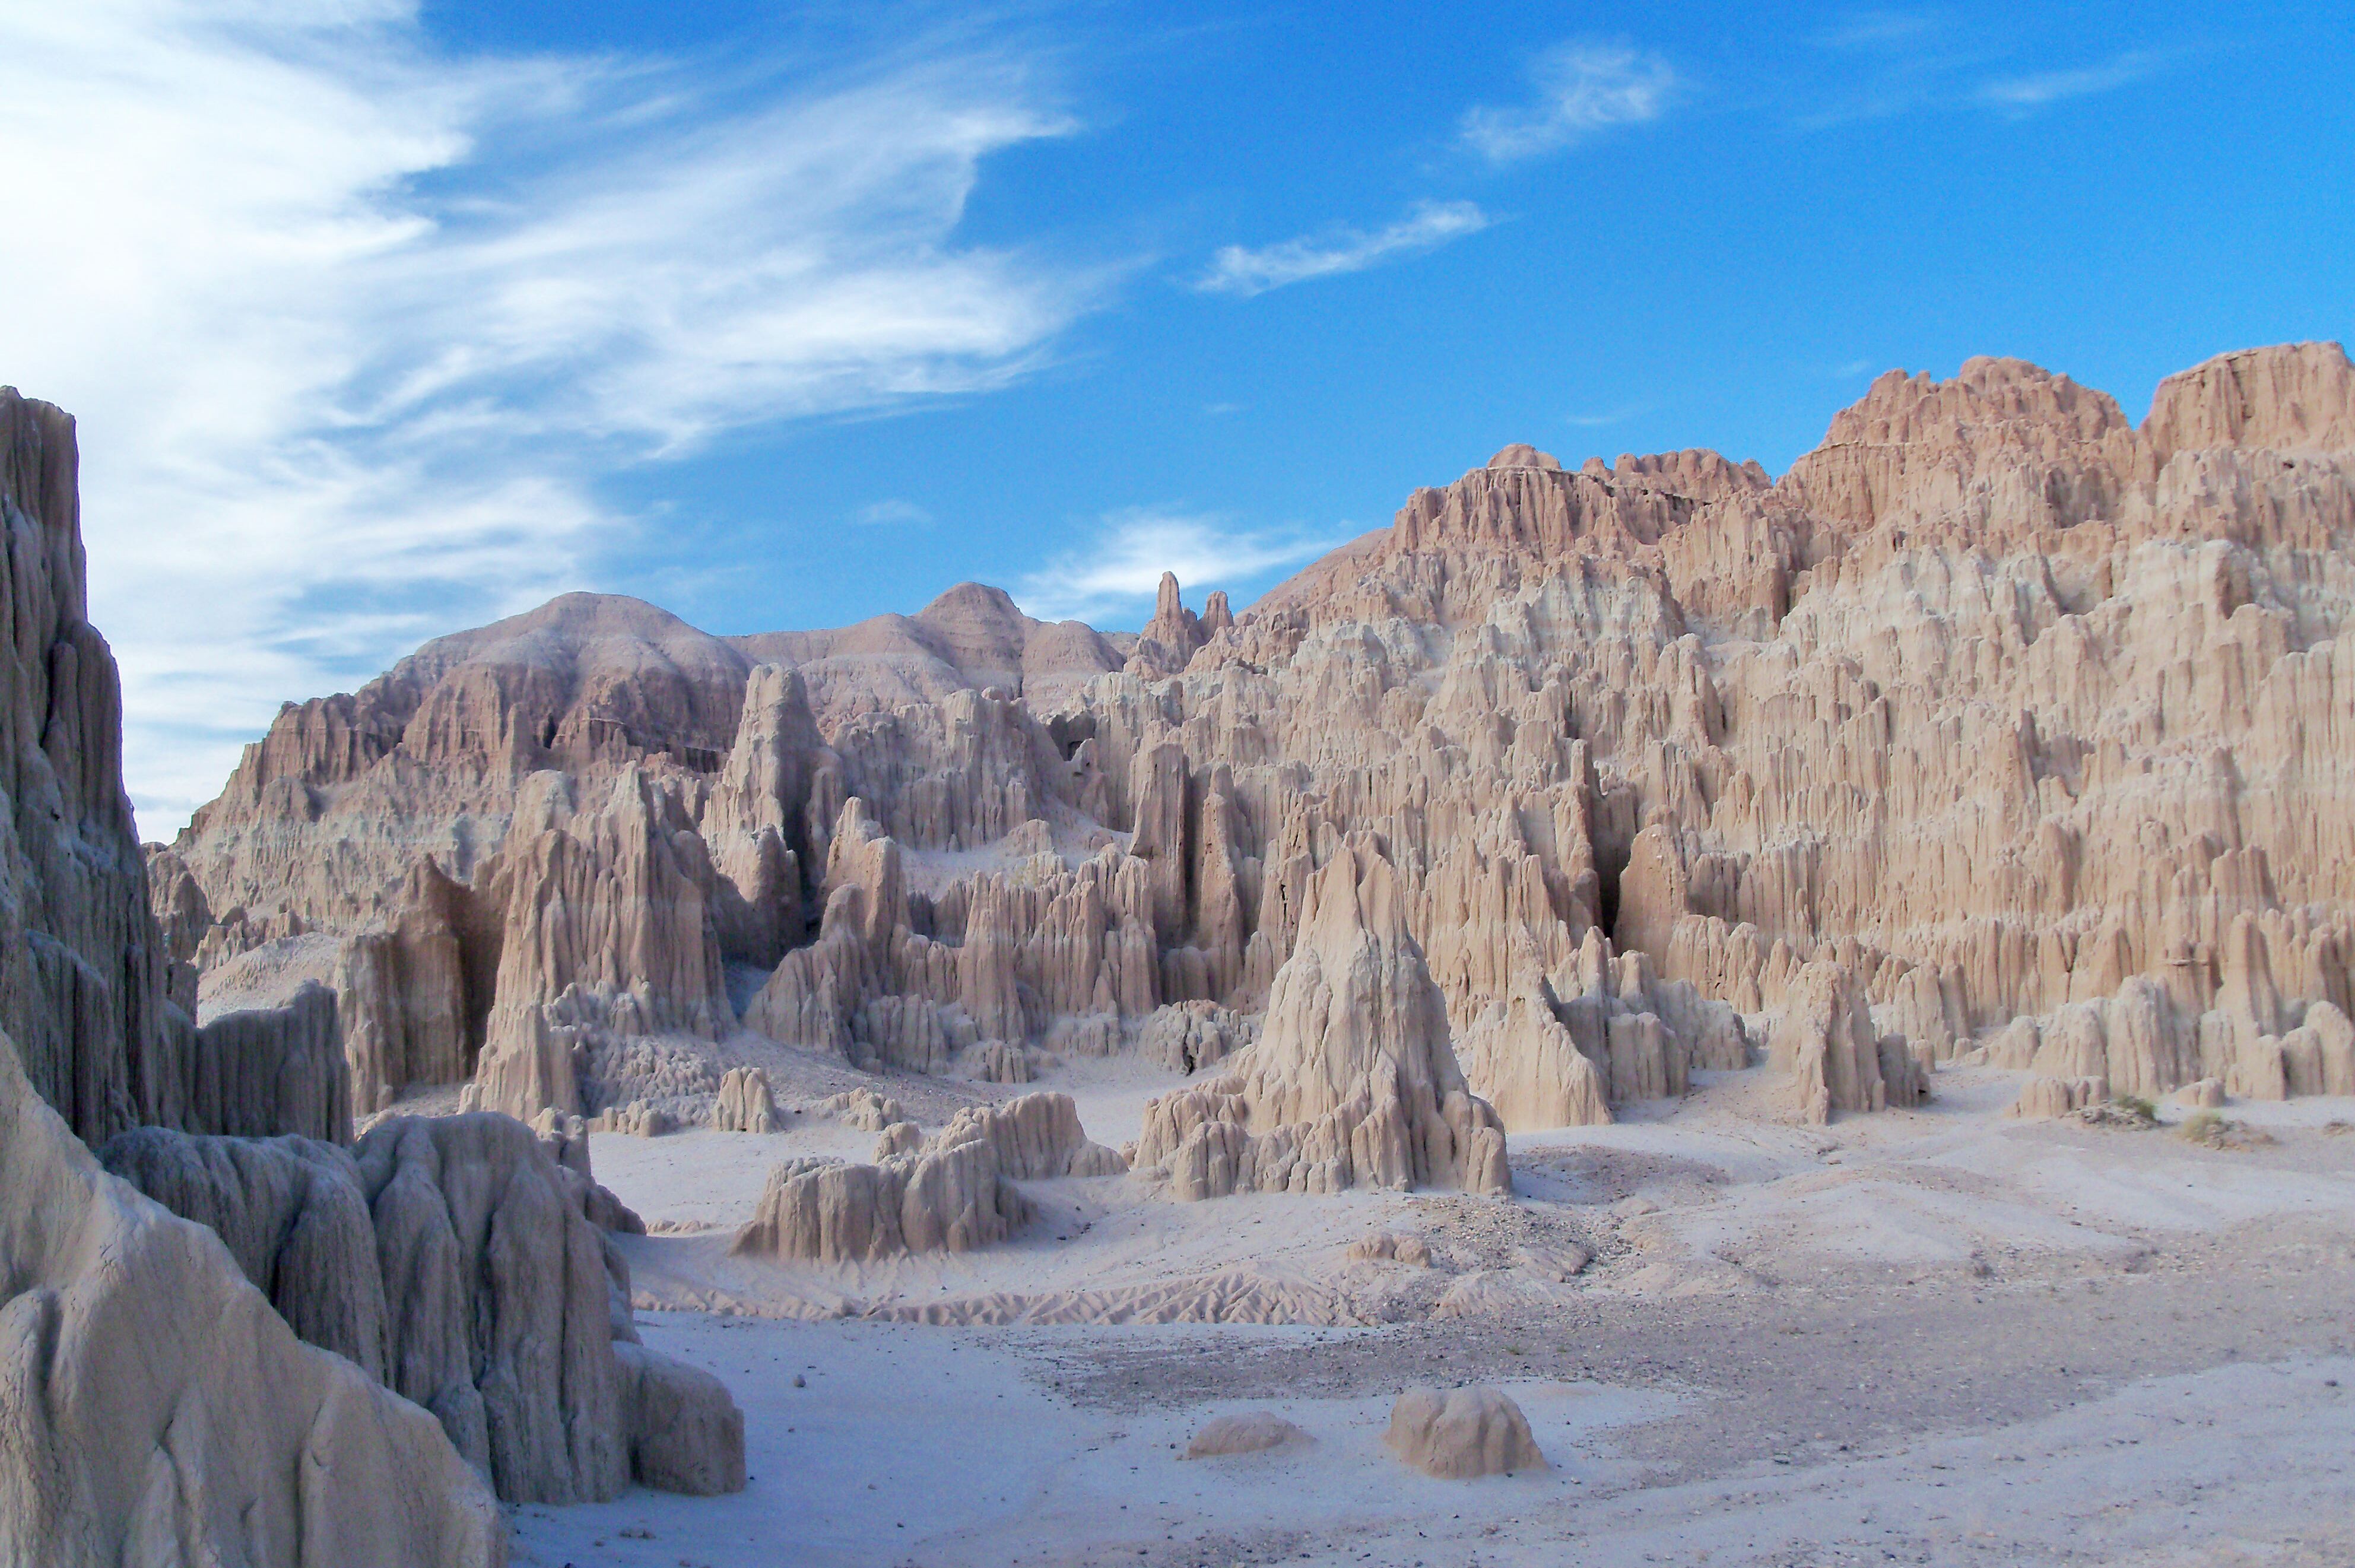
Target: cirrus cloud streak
354,328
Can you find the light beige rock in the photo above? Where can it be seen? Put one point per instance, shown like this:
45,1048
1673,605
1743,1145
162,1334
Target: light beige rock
2208,1095
155,1408
1994,701
291,1212
1835,1061
1519,1058
950,1199
1037,1137
686,1433
1247,1431
955,1192
1461,1434
505,1324
1385,1247
638,1119
1185,1036
2041,1097
1352,1082
746,1103
868,1110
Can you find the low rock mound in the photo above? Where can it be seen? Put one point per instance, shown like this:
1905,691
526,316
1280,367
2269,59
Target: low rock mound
1459,1434
2041,1098
954,1194
865,1110
1251,1432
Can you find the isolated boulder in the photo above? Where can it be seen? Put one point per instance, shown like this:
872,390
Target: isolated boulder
746,1103
1462,1433
1248,1432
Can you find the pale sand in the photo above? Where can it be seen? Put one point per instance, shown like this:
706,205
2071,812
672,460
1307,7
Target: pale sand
1922,1336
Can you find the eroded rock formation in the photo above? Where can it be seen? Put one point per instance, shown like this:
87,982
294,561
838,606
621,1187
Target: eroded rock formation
1994,701
1352,1083
1461,1434
154,1407
953,1192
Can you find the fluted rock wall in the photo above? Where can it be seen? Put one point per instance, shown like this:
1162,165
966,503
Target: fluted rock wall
1352,1082
82,970
1994,701
450,1260
155,1408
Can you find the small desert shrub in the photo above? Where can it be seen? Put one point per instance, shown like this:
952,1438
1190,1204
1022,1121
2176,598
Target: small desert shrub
2208,1128
2130,1112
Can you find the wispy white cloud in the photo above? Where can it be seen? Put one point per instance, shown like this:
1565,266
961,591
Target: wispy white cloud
893,513
1237,270
2024,94
1581,88
1882,28
1609,417
1117,573
353,328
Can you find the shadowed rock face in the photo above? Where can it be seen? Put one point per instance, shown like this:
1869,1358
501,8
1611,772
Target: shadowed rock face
154,1407
1992,705
82,976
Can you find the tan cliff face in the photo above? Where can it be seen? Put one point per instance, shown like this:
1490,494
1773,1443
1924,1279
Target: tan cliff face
229,1335
1993,704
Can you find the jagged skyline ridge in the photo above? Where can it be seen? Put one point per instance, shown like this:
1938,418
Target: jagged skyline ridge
398,292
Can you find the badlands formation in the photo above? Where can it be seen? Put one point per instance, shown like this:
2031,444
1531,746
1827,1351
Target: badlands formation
1646,1011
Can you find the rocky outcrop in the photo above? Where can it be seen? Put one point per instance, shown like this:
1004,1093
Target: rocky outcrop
84,969
1994,701
955,1192
505,1328
415,995
1248,1432
1185,1036
746,1103
932,1200
1037,1138
1826,1045
156,1409
1461,1434
162,1404
502,1293
1519,1058
291,1212
1169,640
274,1069
1352,1082
605,919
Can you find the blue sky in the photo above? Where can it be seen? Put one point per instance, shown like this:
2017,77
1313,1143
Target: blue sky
383,321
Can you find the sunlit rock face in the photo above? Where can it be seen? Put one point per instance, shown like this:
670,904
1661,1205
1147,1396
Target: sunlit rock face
1995,703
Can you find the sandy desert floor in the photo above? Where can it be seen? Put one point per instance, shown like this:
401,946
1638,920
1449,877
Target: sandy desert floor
1932,1335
